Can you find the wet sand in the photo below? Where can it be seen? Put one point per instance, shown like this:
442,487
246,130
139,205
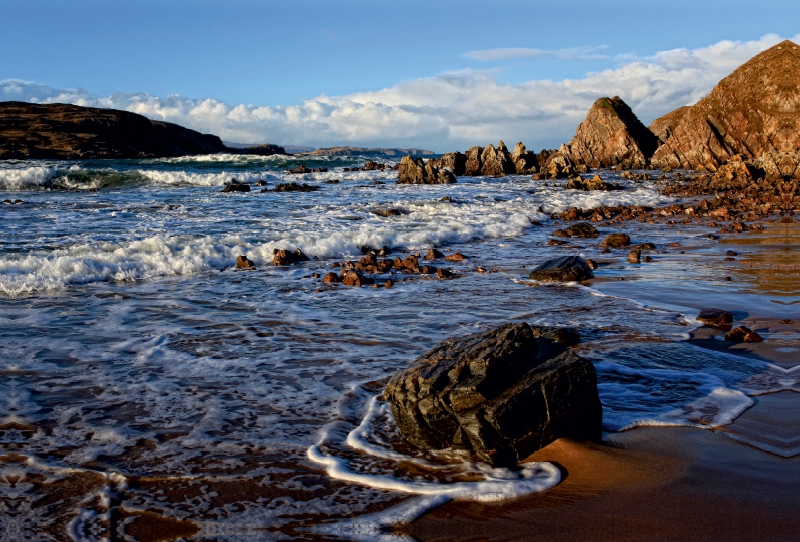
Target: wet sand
651,483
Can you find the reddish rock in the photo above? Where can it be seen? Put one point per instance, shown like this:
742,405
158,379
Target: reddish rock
444,273
331,278
411,171
743,334
715,317
635,256
753,113
353,278
243,263
616,240
433,254
663,126
456,257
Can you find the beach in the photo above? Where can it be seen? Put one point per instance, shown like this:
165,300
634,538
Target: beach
153,390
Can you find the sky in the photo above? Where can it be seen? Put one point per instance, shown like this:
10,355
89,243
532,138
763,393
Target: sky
438,75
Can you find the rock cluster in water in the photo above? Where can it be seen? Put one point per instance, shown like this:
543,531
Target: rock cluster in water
502,394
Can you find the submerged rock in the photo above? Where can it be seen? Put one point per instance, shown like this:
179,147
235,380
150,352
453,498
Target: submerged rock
581,229
564,269
502,394
236,186
243,263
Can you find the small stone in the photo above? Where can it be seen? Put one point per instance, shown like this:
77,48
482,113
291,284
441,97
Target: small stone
715,317
647,259
444,273
564,269
353,278
592,264
388,284
457,257
635,256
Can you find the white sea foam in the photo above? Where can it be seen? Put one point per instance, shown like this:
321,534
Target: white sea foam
497,483
25,176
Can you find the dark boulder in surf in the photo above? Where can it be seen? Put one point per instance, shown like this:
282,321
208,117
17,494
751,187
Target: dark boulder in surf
564,269
502,394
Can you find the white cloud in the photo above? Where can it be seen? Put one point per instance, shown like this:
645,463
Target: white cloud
510,53
449,111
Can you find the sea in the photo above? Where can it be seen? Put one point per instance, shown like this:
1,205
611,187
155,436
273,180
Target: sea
144,377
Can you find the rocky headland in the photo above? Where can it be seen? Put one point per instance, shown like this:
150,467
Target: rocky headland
743,138
65,132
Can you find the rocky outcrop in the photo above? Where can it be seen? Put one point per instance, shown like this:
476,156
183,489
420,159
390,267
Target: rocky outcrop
595,183
502,394
61,131
362,151
611,136
753,113
413,171
488,161
663,127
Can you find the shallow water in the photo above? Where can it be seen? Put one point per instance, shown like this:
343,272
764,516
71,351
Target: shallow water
140,371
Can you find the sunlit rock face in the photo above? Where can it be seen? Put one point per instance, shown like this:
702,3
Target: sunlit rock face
754,113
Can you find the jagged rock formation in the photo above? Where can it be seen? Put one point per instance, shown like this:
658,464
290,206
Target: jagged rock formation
412,171
611,136
61,131
753,113
503,394
362,151
488,161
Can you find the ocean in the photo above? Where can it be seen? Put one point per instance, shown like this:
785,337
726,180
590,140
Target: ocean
141,371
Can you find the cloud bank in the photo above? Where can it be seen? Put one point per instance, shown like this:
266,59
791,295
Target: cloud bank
449,111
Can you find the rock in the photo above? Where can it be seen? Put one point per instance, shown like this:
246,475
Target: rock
635,256
715,317
663,126
413,171
612,136
453,161
331,278
353,278
743,334
591,263
524,161
67,132
444,273
473,164
455,257
236,186
410,263
388,284
433,254
753,113
496,162
502,394
428,270
385,251
648,259
564,269
616,240
243,263
286,257
390,211
596,183
294,187
581,230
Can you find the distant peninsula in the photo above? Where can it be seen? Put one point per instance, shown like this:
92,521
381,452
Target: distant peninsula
66,132
362,151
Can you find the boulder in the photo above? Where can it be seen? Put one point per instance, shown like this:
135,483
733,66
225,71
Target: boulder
502,394
353,278
564,269
236,186
616,240
595,183
331,278
294,187
635,256
455,257
715,317
433,254
390,211
473,164
496,162
243,263
286,257
743,334
581,229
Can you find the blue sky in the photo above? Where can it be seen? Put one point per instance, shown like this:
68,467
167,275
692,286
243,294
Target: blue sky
280,57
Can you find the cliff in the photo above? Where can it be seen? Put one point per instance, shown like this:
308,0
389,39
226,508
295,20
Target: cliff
60,131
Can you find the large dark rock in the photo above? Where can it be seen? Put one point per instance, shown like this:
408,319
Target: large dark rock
503,394
564,269
61,131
